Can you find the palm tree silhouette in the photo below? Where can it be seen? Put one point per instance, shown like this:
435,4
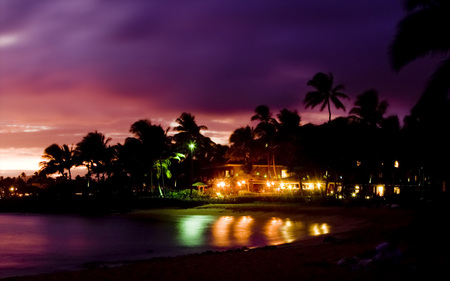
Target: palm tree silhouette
288,135
92,151
266,131
425,32
54,163
59,158
288,126
152,143
188,130
369,109
190,133
243,147
325,93
190,140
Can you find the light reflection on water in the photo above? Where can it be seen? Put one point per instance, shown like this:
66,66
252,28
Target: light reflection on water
192,229
231,231
243,229
31,244
221,231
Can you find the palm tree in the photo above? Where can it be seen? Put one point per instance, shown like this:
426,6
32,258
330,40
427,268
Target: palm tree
425,32
130,161
325,93
288,135
153,144
266,131
190,140
267,126
190,132
68,155
369,109
244,147
59,158
54,163
288,125
92,152
162,168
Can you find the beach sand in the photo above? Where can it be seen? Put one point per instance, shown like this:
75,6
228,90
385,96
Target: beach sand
312,259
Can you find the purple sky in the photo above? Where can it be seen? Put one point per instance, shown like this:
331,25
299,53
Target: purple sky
71,67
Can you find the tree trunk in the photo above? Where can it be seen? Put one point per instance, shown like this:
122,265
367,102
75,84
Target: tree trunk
329,112
162,179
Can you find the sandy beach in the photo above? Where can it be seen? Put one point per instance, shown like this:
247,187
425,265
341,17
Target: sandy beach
423,246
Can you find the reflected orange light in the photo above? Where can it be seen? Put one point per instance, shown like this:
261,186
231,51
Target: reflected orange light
242,229
272,231
287,231
221,230
319,229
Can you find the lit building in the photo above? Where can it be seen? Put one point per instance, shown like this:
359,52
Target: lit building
233,179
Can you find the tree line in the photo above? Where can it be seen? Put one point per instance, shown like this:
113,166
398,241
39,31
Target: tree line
364,147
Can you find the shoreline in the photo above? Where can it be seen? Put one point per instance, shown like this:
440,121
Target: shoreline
311,258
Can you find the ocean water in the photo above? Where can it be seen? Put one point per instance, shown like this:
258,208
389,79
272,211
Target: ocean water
36,243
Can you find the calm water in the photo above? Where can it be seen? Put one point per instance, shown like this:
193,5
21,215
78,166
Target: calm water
31,244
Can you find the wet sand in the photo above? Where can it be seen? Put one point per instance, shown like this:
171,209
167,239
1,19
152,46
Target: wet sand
312,259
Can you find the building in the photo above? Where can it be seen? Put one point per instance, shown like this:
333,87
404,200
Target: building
232,179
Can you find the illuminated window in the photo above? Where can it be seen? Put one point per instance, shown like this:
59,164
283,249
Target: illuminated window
380,190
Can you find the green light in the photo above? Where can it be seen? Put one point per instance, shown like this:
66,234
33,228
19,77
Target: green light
192,228
191,146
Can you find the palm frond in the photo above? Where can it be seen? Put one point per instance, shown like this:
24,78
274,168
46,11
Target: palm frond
337,103
338,88
436,91
421,33
312,99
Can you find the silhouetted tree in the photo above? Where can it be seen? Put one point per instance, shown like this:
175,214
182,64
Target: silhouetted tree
369,109
189,140
266,131
423,32
92,152
189,132
131,161
288,136
59,159
244,147
152,142
325,93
